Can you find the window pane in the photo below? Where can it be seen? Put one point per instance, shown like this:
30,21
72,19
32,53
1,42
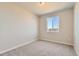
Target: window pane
55,22
49,23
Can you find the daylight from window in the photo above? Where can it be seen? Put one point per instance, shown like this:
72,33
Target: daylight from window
53,23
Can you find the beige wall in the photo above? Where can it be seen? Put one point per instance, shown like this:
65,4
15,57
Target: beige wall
65,34
76,28
17,26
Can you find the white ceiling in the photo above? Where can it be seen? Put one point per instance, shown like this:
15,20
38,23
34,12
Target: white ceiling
49,7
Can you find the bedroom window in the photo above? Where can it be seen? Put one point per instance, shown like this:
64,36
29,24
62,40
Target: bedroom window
53,24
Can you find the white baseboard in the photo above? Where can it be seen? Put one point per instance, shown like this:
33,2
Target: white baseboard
56,42
17,46
76,51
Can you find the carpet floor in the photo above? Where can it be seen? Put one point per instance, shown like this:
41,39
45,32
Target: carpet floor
42,48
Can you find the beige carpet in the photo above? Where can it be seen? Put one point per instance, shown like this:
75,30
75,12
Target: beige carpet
42,48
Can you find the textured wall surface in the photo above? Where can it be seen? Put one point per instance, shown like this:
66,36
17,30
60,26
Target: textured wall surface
17,26
65,34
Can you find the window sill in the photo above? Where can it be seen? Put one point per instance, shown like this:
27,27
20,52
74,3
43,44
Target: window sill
53,31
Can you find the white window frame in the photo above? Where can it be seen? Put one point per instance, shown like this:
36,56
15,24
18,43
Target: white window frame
52,30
